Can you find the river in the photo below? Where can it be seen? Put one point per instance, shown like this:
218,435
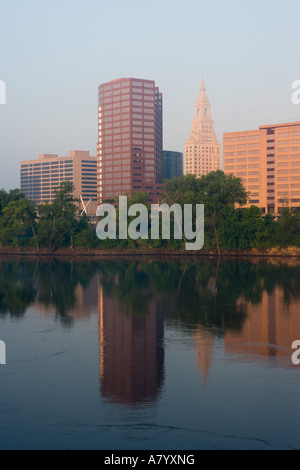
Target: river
149,354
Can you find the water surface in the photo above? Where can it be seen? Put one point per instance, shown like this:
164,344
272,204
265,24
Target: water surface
147,354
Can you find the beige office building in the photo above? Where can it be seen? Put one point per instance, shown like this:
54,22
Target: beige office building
40,177
268,161
202,149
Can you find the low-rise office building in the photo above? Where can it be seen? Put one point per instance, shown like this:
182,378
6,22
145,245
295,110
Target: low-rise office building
40,178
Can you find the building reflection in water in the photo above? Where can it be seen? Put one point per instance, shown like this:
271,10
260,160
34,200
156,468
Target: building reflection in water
131,304
267,334
131,351
204,344
269,330
85,304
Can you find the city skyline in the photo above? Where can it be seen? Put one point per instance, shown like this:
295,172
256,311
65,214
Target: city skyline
52,74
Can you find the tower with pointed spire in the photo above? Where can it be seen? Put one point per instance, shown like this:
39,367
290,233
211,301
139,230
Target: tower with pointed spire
202,149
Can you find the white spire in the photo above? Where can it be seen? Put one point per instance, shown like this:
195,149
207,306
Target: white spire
202,149
202,99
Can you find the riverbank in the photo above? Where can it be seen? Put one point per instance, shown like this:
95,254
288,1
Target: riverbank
144,252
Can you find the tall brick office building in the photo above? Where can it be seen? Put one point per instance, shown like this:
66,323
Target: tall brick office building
129,147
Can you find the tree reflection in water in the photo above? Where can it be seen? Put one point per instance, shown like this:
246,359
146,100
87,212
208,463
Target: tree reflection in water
137,299
209,292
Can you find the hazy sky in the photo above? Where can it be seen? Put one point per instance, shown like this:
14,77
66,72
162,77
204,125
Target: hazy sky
55,53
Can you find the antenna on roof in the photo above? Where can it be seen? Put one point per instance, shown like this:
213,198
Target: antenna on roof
86,207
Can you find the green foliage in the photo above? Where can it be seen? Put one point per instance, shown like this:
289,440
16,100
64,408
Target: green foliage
86,239
250,228
287,232
57,224
242,229
138,197
269,230
227,224
12,196
218,192
18,216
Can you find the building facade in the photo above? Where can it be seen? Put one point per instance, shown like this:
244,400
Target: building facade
268,161
172,164
202,149
40,177
130,138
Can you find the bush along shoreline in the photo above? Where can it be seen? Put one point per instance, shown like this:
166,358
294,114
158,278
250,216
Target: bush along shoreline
229,228
286,252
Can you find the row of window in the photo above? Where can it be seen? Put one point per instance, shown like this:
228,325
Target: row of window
38,165
241,138
37,179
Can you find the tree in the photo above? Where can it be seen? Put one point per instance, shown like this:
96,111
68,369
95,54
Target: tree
218,192
288,228
11,196
250,228
182,190
18,216
86,238
269,230
57,219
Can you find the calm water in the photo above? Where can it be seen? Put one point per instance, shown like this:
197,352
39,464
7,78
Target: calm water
149,354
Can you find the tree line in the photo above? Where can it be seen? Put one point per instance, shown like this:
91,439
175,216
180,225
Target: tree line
228,224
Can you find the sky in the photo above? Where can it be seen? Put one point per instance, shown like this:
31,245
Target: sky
55,53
